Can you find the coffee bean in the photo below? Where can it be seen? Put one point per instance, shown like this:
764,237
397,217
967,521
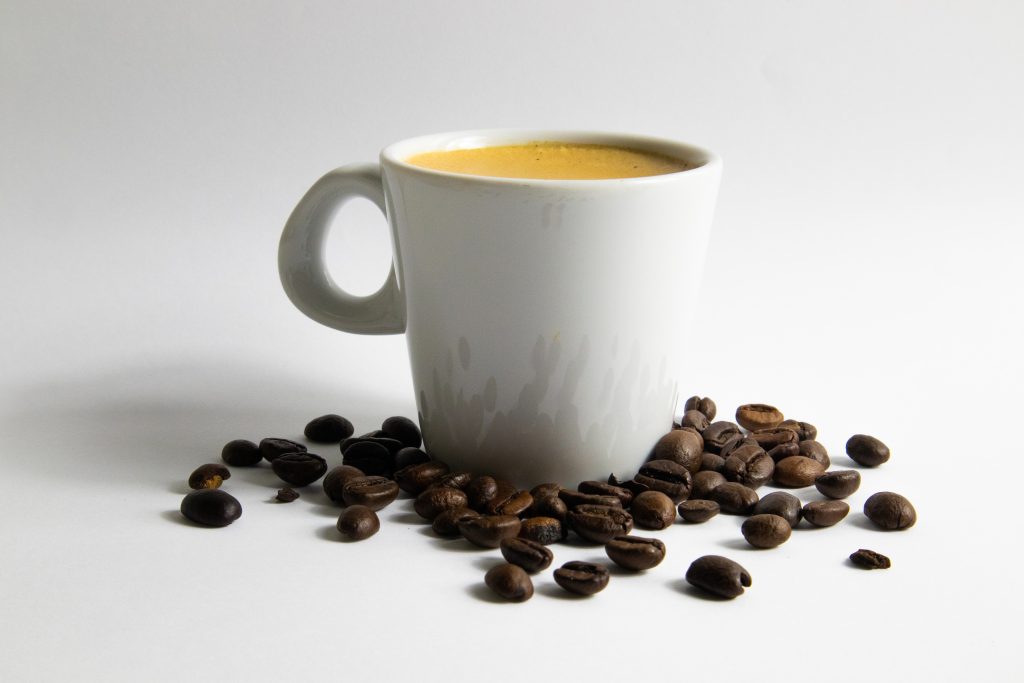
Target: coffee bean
784,450
718,433
376,433
208,476
241,453
286,495
838,484
635,487
530,555
211,507
371,457
546,530
402,429
825,512
409,456
770,438
447,523
455,480
273,448
797,471
804,430
672,479
392,446
328,429
480,491
697,511
718,575
754,416
358,522
573,498
869,559
374,492
766,531
734,498
635,553
890,511
704,405
681,446
711,462
509,503
582,578
704,483
543,490
510,582
653,510
600,523
415,479
432,502
336,479
299,469
750,466
598,488
695,419
736,442
780,503
487,531
867,450
550,506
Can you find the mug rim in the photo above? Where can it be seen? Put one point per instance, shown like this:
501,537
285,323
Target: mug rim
396,154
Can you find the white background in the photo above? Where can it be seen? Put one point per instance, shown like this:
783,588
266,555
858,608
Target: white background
863,274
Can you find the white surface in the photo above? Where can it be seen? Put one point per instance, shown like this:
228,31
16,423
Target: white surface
863,274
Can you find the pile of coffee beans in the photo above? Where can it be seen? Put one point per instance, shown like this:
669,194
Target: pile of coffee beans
700,468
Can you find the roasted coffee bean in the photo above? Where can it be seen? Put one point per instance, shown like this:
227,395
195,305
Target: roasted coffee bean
704,483
784,450
480,491
487,531
653,510
698,511
734,498
825,512
376,433
867,450
890,511
241,453
374,492
718,575
681,446
543,490
582,578
409,456
766,531
573,498
550,506
695,419
869,559
336,479
635,487
718,434
704,405
208,476
672,479
432,502
613,480
447,523
770,438
546,530
510,582
455,480
272,448
402,429
286,495
804,430
358,523
371,457
711,462
780,503
211,507
797,471
750,466
392,446
514,503
600,523
815,451
328,429
635,553
599,488
754,416
530,555
299,469
415,479
838,484
735,443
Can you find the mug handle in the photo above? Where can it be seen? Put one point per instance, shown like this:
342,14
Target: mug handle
300,258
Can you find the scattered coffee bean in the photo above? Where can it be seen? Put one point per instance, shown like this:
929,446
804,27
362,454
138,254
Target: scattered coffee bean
718,434
695,419
780,503
600,523
336,479
824,513
711,462
409,456
672,479
510,582
838,483
241,453
867,450
573,498
804,430
543,490
698,511
211,507
704,405
734,498
737,441
273,448
704,483
582,578
328,429
890,511
455,480
402,429
550,506
546,530
299,469
415,479
432,502
869,559
770,438
447,523
392,446
488,531
815,451
719,576
599,488
371,457
754,416
681,446
358,522
208,476
530,555
635,553
653,510
750,466
286,495
796,471
374,492
480,491
766,531
509,502
784,450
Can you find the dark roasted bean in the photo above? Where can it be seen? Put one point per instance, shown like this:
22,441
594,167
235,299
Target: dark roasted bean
653,510
766,531
530,555
392,446
635,553
682,446
869,559
546,530
695,419
543,490
516,503
734,498
409,456
455,480
549,506
374,492
208,476
825,512
672,479
704,405
784,450
599,488
796,471
750,466
432,502
402,429
815,451
704,483
573,498
510,582
358,522
838,483
804,430
415,479
447,523
371,457
299,469
336,479
867,450
211,507
273,448
328,429
736,442
718,575
780,503
241,453
718,434
890,511
711,462
286,495
770,438
754,416
698,511
487,531
582,578
480,491
600,523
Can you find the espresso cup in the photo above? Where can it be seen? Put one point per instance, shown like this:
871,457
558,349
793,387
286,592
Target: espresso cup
546,320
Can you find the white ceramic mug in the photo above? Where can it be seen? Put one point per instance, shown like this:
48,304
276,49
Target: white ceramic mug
546,319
